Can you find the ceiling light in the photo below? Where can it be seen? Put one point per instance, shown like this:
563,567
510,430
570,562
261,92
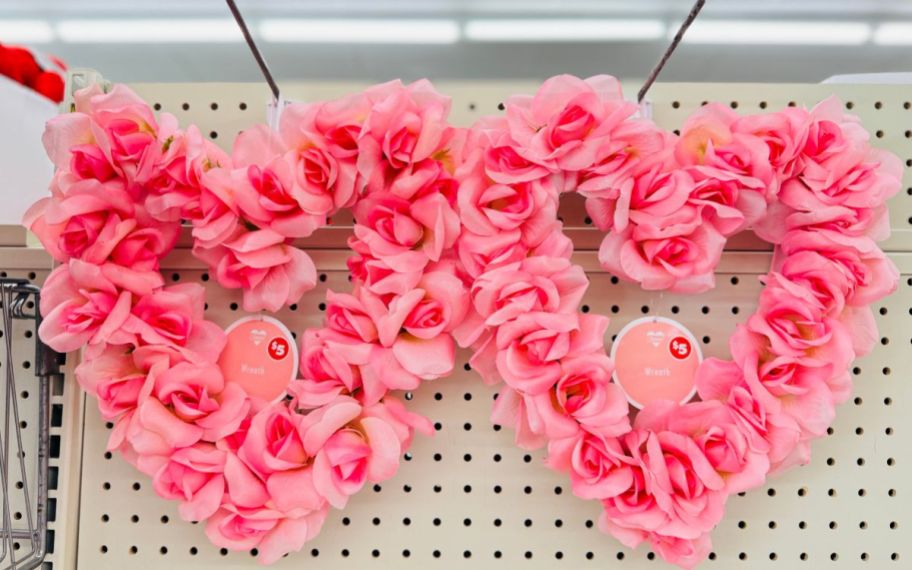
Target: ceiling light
149,31
894,34
348,31
561,30
26,31
776,32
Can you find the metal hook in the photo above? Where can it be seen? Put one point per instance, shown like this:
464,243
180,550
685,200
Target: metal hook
694,12
264,69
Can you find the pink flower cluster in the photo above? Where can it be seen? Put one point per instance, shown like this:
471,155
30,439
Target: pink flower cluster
807,181
261,474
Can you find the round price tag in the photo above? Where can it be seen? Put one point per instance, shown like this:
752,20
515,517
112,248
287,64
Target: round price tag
261,356
656,358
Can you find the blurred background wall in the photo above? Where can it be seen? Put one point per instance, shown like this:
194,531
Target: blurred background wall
734,40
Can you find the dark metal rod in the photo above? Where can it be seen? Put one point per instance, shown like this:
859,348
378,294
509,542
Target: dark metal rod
694,12
239,18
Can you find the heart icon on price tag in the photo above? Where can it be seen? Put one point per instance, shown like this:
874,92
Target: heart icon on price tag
257,336
655,337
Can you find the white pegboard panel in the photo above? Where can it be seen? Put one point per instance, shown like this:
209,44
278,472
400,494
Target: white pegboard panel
469,497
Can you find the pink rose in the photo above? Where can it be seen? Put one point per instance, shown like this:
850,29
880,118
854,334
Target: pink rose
736,454
347,315
189,402
583,398
597,464
812,275
858,182
531,347
86,304
290,186
724,381
436,305
273,465
324,169
84,222
565,123
659,200
193,476
635,146
785,133
674,490
806,391
376,275
479,253
275,441
125,129
114,379
832,133
680,263
213,212
502,160
175,190
426,178
793,327
173,316
870,274
363,449
331,365
708,139
337,122
271,272
405,235
488,209
549,284
272,532
406,124
727,201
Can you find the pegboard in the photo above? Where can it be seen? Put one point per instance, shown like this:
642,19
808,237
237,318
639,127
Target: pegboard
469,497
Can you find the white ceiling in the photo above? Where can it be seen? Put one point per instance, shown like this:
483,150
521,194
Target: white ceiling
130,60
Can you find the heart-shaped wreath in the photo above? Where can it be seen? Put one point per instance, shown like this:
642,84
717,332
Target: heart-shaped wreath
456,235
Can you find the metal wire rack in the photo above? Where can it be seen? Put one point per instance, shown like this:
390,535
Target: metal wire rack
24,479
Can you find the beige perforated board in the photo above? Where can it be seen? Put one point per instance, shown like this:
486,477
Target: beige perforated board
468,497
